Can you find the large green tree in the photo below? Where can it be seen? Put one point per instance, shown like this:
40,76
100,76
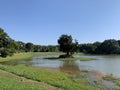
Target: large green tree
5,44
67,45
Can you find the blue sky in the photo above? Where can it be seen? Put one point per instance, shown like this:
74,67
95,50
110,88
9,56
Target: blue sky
43,21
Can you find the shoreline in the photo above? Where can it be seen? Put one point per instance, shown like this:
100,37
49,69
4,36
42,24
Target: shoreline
100,74
92,76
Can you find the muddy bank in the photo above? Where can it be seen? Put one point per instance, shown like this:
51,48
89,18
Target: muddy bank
96,78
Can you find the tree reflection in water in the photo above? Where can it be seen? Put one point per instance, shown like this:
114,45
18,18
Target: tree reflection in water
70,67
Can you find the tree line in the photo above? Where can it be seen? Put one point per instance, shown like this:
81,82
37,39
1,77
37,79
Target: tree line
8,46
110,46
66,44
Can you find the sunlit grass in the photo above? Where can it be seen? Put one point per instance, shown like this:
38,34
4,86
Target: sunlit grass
54,78
11,82
20,56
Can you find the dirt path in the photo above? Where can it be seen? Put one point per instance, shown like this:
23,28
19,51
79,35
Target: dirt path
23,79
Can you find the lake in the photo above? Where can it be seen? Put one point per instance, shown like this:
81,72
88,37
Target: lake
108,64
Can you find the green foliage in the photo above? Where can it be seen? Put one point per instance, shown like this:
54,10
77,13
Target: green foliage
87,48
67,45
29,47
21,46
49,48
4,53
110,46
4,39
5,44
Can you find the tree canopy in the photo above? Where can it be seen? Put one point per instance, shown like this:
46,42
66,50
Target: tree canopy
67,45
110,46
5,44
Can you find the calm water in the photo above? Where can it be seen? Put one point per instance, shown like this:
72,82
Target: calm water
105,64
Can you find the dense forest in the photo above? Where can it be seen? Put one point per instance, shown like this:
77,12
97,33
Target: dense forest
9,46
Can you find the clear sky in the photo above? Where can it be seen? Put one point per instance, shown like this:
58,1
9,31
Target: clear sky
43,21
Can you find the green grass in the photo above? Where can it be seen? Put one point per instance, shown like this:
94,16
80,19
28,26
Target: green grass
9,81
54,78
20,56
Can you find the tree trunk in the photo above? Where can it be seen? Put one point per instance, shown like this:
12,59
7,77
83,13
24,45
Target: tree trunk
67,53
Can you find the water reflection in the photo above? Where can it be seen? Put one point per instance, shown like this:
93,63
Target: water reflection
70,67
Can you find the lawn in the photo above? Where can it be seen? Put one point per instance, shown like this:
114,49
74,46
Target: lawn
10,81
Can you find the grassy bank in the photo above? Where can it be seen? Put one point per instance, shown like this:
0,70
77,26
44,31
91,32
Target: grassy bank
54,78
20,56
57,79
10,81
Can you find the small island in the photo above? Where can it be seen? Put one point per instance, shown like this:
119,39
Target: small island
67,45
